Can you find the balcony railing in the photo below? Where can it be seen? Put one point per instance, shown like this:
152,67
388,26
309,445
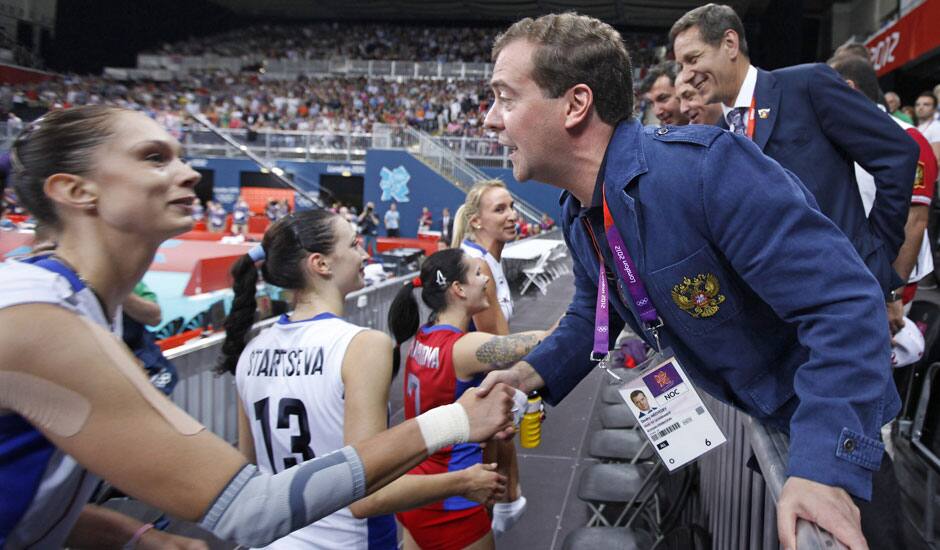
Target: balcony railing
324,146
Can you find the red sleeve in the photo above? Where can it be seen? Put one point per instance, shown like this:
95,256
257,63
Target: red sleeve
926,178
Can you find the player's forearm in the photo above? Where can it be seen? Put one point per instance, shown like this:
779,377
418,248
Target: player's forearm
381,466
913,238
142,310
100,527
409,492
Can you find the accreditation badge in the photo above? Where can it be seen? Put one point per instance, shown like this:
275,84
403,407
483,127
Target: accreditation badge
669,410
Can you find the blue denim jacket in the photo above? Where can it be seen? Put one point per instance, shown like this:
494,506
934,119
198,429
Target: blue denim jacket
796,333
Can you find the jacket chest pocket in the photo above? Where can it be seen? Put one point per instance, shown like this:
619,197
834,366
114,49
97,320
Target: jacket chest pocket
696,294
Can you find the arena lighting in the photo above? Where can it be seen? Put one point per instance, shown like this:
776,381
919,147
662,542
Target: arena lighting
243,147
277,171
346,173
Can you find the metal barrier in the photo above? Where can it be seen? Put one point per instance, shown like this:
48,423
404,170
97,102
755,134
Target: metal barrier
211,399
735,503
290,69
325,146
285,145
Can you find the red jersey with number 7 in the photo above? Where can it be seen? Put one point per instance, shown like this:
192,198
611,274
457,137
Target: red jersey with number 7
430,381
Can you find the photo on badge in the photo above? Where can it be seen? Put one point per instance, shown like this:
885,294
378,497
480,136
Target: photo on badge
639,401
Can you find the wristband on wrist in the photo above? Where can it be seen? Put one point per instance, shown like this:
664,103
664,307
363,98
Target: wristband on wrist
137,534
443,426
893,296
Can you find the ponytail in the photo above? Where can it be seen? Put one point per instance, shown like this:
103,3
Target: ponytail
403,320
285,246
461,222
242,315
438,272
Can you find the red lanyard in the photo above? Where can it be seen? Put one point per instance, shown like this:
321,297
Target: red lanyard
750,119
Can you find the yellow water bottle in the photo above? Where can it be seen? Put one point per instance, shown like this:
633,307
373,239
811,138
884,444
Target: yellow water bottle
530,430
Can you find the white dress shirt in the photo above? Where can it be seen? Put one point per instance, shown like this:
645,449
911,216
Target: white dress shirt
745,95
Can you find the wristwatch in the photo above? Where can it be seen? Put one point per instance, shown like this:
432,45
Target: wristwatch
893,296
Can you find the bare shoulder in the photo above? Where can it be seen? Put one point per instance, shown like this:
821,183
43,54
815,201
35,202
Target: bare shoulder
371,340
38,333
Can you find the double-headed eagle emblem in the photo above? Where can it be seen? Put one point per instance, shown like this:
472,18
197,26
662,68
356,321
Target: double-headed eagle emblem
699,295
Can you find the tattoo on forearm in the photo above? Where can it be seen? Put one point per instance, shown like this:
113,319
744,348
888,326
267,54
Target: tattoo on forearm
503,351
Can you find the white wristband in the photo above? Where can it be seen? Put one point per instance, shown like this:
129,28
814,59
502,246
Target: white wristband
443,426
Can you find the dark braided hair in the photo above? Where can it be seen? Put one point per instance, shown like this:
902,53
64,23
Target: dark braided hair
286,245
445,266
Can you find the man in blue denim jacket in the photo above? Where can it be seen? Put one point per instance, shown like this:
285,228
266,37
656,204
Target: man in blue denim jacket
797,333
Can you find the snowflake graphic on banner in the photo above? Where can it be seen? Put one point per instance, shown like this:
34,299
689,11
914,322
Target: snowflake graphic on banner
394,184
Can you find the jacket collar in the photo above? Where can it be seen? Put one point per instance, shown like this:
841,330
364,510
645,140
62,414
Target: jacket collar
767,102
625,158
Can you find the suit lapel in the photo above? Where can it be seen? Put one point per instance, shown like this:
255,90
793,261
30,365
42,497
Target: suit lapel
767,96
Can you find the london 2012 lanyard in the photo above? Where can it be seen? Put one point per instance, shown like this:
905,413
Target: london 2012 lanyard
749,131
626,268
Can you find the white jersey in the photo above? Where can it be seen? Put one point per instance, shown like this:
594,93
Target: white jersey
289,379
47,488
503,295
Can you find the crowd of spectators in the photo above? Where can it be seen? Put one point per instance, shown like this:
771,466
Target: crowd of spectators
248,100
367,41
335,104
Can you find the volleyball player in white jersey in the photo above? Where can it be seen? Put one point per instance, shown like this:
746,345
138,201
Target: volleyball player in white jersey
313,382
73,400
483,225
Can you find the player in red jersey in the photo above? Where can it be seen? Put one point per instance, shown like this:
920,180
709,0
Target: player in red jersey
443,362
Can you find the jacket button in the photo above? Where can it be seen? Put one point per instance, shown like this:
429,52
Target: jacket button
662,131
848,445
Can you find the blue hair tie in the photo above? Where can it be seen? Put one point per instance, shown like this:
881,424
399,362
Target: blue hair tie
256,253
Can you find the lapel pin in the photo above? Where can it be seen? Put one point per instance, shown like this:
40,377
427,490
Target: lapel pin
763,113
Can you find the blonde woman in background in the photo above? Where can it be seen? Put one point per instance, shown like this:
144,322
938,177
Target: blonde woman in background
482,226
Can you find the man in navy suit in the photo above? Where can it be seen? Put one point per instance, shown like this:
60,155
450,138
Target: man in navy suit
811,122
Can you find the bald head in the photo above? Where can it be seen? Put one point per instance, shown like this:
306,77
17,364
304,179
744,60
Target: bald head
892,102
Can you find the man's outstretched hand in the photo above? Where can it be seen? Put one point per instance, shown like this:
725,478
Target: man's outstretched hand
521,376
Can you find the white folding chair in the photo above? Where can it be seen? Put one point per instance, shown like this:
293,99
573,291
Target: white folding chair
536,275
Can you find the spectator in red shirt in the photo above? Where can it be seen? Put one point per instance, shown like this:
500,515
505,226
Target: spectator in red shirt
860,75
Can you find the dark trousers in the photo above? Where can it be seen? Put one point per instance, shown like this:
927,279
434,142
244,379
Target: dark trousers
882,519
392,232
